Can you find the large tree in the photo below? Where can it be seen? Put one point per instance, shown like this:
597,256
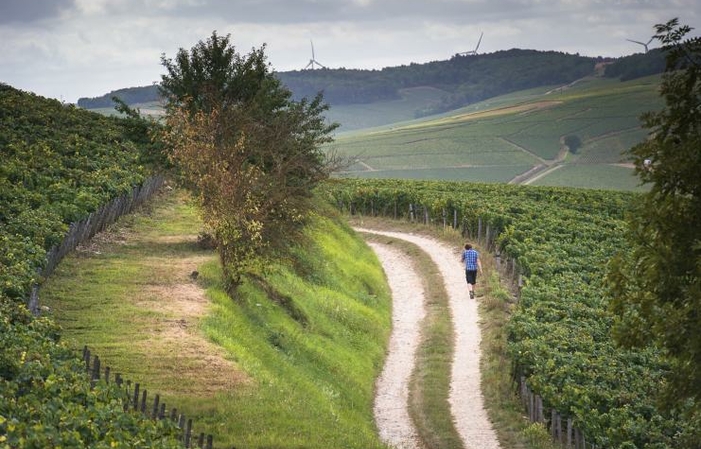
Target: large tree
250,153
656,286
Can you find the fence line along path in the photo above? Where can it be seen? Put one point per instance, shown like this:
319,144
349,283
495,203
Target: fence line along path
466,400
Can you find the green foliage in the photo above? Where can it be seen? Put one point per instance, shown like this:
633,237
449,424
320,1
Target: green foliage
637,65
46,396
59,163
656,286
573,142
129,95
250,153
559,336
143,132
466,79
463,79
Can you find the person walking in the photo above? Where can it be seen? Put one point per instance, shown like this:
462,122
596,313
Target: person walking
472,263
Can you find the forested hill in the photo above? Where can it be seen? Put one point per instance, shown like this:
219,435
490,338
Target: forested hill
465,78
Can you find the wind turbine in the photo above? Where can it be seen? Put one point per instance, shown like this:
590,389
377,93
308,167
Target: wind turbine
642,43
313,61
474,52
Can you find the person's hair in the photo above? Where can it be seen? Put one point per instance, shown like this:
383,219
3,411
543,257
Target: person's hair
468,246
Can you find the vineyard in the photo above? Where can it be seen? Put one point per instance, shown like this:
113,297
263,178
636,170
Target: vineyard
559,334
59,164
498,139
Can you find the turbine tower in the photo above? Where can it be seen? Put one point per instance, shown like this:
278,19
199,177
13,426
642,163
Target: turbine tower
313,61
641,43
473,52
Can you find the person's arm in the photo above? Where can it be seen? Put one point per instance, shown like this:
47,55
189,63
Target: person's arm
479,265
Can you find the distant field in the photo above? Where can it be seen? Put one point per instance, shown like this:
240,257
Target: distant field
358,116
609,177
507,136
499,174
152,109
497,140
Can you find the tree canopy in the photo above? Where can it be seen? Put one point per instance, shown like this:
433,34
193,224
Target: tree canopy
249,152
656,286
465,79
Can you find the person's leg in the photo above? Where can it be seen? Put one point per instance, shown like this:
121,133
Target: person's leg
471,277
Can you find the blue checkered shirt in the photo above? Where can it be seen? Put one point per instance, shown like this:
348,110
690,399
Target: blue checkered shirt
469,256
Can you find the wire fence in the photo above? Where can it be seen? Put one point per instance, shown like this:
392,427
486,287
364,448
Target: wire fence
137,400
81,231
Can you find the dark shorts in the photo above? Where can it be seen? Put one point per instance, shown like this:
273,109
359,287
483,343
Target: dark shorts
471,276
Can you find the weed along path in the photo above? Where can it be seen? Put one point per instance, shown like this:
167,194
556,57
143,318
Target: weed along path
466,400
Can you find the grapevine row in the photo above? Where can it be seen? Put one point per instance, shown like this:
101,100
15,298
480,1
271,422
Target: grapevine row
559,336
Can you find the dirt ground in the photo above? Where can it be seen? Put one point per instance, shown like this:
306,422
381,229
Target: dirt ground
466,400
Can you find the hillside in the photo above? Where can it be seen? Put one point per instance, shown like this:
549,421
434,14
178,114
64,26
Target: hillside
290,362
313,330
516,138
463,79
59,164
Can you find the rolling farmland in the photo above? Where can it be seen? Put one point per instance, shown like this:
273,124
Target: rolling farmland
513,137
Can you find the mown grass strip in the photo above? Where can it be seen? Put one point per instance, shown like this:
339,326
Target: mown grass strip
296,354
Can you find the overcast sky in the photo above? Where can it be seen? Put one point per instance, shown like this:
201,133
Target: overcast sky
67,49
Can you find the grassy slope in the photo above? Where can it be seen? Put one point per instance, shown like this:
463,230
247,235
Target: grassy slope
497,139
295,359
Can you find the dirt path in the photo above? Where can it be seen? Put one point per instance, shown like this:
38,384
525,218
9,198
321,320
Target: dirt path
392,398
466,401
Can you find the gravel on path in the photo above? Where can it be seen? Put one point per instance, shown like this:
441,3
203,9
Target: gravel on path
392,398
466,399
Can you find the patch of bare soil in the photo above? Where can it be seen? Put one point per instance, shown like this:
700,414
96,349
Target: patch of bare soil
174,305
171,304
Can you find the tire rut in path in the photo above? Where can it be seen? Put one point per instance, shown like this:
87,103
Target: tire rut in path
408,310
466,400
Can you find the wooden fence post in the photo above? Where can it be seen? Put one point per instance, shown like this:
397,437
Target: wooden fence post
143,401
188,432
95,376
154,411
479,229
136,396
553,424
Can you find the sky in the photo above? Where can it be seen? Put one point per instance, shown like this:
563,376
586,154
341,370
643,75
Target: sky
68,49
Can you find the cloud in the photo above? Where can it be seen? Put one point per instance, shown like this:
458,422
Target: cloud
75,48
27,11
